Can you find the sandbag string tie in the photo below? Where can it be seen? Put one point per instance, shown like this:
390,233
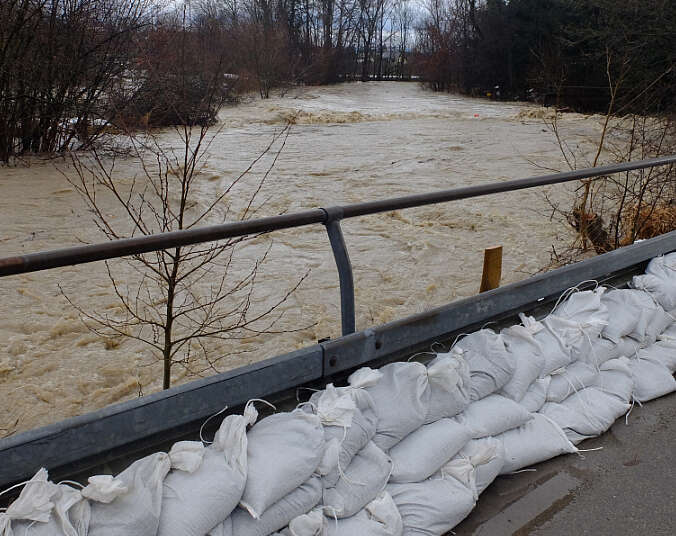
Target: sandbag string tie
204,441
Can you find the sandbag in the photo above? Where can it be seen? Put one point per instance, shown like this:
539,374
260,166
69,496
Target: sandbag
493,415
536,395
361,482
129,504
651,379
400,400
585,307
660,280
575,323
46,509
420,454
283,451
70,516
555,350
604,349
298,502
490,365
379,518
662,289
194,502
433,506
487,456
345,422
572,379
615,378
586,414
625,305
536,441
529,361
662,352
314,523
577,338
449,381
635,314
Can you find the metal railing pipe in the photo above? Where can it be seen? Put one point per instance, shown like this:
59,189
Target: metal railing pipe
398,203
44,260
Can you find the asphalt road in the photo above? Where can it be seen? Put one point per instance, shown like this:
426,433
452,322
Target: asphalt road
628,487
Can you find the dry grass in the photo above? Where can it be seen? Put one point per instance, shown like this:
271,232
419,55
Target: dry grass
649,221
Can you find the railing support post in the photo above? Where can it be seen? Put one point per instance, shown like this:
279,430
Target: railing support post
345,277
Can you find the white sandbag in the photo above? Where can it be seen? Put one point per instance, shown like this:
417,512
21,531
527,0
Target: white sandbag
615,378
651,379
662,289
536,441
195,502
361,482
490,365
529,360
314,523
433,506
422,453
493,415
298,502
662,352
625,306
604,349
283,451
400,399
379,518
585,307
449,381
348,417
669,334
133,499
69,517
576,323
462,470
555,351
186,455
635,314
578,338
487,456
572,379
46,509
586,414
660,280
536,395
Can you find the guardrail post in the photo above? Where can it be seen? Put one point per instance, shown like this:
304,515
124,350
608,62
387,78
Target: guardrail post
345,277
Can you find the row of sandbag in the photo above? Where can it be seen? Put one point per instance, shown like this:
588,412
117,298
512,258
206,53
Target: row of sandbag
526,395
405,449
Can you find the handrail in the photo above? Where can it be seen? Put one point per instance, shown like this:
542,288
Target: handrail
330,217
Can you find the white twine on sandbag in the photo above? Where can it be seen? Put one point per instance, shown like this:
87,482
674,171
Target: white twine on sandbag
582,457
72,482
205,423
299,389
571,290
21,484
442,347
529,470
634,401
432,353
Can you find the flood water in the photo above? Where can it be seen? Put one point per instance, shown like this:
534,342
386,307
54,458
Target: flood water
349,143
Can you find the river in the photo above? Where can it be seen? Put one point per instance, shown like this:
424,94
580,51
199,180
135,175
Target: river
349,143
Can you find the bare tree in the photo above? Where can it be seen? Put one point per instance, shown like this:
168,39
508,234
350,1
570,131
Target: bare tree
185,298
179,302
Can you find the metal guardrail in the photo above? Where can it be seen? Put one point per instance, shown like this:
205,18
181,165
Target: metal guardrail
329,217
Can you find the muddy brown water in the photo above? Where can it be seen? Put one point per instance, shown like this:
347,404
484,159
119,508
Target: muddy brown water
350,143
